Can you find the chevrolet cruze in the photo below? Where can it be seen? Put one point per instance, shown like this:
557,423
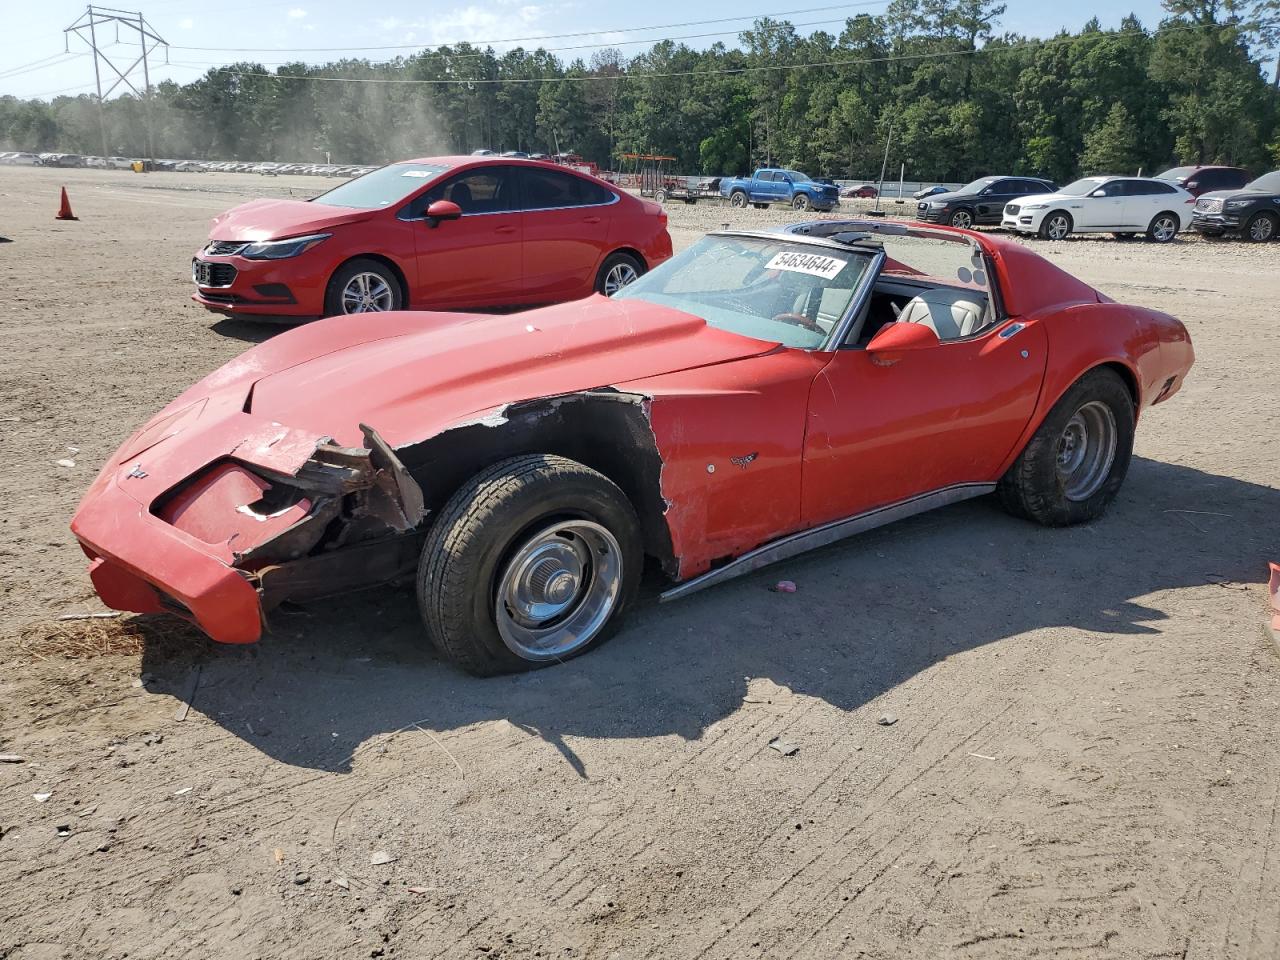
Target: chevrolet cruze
434,233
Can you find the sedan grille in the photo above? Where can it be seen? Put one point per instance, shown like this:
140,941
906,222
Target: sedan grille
1012,209
1209,205
212,274
224,248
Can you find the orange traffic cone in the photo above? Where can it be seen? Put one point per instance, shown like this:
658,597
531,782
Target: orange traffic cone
64,211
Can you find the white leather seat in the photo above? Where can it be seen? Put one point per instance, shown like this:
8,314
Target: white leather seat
946,312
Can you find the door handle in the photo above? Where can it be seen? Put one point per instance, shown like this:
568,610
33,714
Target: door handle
1010,330
591,220
505,228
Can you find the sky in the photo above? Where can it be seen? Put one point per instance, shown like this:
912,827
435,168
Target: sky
33,61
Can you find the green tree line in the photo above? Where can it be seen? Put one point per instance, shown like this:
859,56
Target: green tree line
953,98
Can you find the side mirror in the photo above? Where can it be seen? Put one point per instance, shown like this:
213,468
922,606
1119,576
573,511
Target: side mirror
1191,184
1100,192
442,210
894,340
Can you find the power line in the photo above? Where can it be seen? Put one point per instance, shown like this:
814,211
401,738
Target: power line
476,56
759,68
56,60
546,36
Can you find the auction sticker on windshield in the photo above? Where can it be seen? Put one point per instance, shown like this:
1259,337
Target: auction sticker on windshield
813,264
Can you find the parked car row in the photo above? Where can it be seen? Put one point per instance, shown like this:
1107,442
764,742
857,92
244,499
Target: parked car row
23,158
1213,200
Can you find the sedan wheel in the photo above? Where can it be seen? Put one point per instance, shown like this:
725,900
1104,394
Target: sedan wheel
1056,226
1261,228
962,219
367,293
1163,228
616,272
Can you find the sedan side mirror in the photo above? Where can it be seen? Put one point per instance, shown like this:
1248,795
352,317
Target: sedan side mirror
893,340
442,210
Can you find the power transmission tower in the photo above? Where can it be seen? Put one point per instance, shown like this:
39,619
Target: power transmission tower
87,28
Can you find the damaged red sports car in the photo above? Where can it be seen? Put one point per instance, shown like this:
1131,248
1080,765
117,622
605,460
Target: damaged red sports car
761,393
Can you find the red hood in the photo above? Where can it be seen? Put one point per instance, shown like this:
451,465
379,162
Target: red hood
279,219
412,375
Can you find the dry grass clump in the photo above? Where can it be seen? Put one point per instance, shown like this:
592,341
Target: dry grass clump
84,639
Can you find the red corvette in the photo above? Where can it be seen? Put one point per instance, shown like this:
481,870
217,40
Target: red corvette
441,232
759,394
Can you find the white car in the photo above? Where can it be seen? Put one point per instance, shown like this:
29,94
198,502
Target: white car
1121,205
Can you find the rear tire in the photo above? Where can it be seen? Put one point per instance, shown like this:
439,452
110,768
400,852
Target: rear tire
530,562
738,199
1075,463
1164,227
618,270
1056,226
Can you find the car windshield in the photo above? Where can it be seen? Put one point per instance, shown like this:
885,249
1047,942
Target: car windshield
382,187
778,291
796,176
1083,187
977,185
1268,182
1176,173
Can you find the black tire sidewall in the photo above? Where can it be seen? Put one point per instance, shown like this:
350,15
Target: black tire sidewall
550,489
1247,232
1044,224
1032,487
1151,228
341,276
611,261
957,213
738,199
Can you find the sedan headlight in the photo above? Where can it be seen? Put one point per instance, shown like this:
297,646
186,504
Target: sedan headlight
1035,206
1237,204
937,204
282,249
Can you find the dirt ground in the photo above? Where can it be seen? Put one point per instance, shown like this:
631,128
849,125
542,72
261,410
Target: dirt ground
1084,763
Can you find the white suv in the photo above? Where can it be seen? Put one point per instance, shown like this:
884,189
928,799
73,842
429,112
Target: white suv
1120,205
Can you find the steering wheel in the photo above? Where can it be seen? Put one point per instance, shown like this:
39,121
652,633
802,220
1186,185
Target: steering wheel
800,320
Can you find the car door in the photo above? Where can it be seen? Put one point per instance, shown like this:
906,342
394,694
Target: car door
1103,209
936,418
989,206
476,260
566,233
762,187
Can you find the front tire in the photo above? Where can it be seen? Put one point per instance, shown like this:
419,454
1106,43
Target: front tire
1056,226
800,202
530,562
1076,461
618,270
1260,228
362,286
1164,227
962,219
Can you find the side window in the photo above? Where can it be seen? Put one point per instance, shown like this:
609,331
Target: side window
1003,186
1160,188
594,194
550,189
1113,188
484,190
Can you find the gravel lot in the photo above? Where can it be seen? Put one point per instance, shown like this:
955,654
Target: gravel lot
1084,764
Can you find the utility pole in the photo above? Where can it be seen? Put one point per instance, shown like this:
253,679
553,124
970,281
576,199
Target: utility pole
148,40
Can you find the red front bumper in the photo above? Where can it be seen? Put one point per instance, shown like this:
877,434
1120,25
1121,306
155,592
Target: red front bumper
241,287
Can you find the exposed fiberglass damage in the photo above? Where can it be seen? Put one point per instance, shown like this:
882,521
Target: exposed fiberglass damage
355,516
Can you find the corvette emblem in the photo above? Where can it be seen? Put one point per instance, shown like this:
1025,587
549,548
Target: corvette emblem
137,473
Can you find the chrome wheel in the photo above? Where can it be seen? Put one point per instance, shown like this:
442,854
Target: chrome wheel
558,589
962,219
1059,227
367,293
619,275
1261,228
1086,450
1164,229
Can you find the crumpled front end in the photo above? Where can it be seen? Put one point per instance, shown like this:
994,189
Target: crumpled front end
217,516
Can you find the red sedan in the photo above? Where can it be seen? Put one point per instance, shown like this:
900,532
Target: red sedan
762,393
440,232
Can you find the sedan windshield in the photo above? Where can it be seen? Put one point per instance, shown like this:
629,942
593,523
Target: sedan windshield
778,291
1083,187
383,187
1267,183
